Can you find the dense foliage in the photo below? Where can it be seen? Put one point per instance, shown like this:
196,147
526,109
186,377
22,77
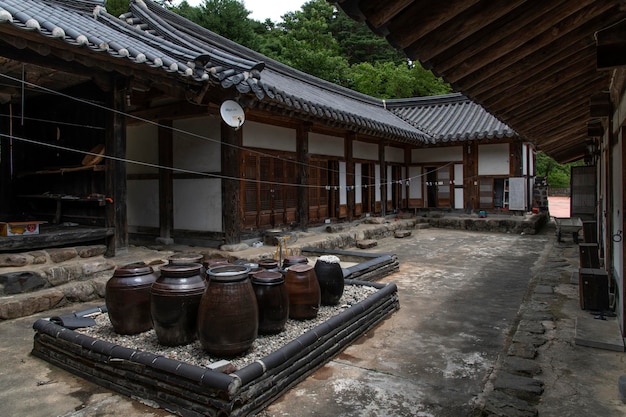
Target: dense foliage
558,175
321,41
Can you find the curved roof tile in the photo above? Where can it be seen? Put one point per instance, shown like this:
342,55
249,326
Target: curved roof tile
450,118
86,24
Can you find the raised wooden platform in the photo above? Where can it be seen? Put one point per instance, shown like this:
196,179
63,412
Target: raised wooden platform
57,235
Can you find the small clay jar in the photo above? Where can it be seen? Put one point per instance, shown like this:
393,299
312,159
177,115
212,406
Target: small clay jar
292,260
304,292
330,277
127,297
174,301
272,301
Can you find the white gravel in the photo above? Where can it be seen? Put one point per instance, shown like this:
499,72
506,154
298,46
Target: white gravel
193,353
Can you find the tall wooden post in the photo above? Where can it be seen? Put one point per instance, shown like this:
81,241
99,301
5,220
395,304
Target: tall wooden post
166,182
231,194
302,155
115,180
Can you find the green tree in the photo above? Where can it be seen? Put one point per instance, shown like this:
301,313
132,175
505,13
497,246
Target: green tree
228,18
117,7
558,175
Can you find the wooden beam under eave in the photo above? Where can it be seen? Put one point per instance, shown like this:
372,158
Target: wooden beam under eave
380,13
464,25
544,85
551,41
513,24
433,14
514,80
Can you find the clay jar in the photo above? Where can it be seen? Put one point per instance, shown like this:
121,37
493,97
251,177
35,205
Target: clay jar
294,260
127,297
228,318
269,264
330,277
174,301
272,301
304,292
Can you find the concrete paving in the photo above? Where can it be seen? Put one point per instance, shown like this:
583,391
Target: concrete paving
487,326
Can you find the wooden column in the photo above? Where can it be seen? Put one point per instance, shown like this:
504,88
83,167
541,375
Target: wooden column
115,180
350,180
383,178
470,174
166,182
231,194
302,155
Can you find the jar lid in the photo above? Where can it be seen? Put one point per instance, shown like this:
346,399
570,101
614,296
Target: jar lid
228,272
300,268
267,277
185,269
185,257
133,270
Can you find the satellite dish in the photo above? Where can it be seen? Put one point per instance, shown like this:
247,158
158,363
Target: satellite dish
232,114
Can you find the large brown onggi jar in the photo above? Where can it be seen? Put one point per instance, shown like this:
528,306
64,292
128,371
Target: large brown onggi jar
175,297
272,300
304,292
330,277
127,297
228,318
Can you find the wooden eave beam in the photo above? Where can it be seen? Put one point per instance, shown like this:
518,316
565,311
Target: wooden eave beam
574,28
432,15
513,24
379,13
514,80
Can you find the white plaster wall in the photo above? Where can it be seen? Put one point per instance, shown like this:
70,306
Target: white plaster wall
259,135
377,182
343,199
493,159
459,203
142,144
365,150
326,145
415,186
389,185
524,159
358,193
448,154
142,203
197,144
198,204
394,154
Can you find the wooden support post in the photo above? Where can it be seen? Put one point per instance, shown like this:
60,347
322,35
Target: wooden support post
115,180
166,181
231,193
302,155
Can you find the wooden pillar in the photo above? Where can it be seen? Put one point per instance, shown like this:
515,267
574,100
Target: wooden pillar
302,155
166,182
383,178
350,180
470,174
232,141
115,180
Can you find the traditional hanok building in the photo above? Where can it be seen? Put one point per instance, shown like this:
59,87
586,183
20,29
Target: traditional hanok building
148,126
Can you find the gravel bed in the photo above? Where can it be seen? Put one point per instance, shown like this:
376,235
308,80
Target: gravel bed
193,353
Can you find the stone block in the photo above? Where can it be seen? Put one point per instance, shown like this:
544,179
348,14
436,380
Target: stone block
336,228
366,244
92,251
91,268
15,259
39,257
20,282
519,386
63,274
62,254
374,220
402,233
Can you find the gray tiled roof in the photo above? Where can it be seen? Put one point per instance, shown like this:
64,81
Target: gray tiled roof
86,24
450,118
